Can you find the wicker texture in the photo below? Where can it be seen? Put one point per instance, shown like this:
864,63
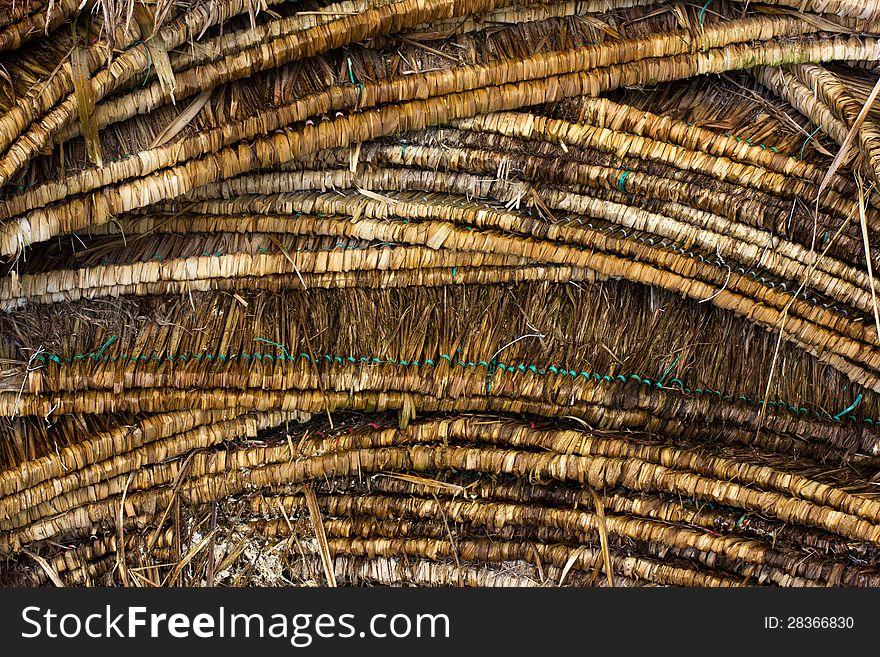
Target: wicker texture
435,292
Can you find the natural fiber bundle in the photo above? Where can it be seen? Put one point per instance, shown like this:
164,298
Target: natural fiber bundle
399,292
507,506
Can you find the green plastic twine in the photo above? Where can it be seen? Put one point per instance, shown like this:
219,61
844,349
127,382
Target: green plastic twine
491,367
849,408
703,11
807,140
100,351
149,63
666,373
275,344
622,182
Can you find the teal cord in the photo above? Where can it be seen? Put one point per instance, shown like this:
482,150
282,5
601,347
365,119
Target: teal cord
668,370
149,62
491,368
849,408
703,11
275,344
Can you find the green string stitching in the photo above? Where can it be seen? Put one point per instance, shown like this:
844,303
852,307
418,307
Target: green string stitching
149,62
703,11
275,344
666,373
100,351
849,408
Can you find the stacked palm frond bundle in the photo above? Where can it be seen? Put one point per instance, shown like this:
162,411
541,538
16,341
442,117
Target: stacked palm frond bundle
435,292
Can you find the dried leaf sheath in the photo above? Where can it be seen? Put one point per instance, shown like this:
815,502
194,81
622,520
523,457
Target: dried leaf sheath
439,293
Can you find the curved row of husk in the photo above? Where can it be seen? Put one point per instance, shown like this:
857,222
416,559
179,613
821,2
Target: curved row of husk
369,521
559,81
150,366
440,293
